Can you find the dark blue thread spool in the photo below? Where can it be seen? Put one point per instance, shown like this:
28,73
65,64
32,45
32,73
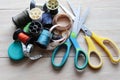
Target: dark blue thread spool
32,4
47,20
44,38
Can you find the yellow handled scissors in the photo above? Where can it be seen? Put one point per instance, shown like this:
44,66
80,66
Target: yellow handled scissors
100,40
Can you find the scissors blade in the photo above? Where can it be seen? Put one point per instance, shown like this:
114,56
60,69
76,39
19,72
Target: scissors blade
76,21
82,20
72,7
64,9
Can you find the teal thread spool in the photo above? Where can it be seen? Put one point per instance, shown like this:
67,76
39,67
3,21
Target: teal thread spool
44,38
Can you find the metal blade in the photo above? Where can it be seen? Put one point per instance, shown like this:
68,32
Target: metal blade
86,31
82,20
76,21
69,13
72,7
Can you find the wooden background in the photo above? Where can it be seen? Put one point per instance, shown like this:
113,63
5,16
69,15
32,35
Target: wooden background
104,19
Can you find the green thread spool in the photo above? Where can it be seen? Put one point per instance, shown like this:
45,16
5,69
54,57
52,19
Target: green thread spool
26,28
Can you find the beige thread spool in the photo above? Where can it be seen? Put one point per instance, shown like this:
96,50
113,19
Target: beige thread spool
52,4
35,13
64,21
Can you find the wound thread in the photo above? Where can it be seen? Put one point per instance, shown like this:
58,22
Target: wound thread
21,19
21,36
51,6
47,20
35,28
44,39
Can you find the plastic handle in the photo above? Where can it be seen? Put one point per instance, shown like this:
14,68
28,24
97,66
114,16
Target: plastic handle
102,41
92,50
79,51
67,44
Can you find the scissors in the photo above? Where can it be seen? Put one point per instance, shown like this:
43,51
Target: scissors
89,36
78,22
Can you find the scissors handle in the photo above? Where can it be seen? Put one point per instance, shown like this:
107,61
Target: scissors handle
67,45
79,52
102,41
92,50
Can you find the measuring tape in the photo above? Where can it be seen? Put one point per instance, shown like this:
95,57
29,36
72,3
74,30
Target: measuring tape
27,50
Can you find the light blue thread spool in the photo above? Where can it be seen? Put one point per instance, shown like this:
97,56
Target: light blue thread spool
44,38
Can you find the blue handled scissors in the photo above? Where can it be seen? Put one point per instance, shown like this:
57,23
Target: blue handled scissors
102,41
77,25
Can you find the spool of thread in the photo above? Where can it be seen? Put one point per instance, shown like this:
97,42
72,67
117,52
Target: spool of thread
19,35
47,20
32,4
21,19
63,20
51,6
44,38
35,28
35,13
26,28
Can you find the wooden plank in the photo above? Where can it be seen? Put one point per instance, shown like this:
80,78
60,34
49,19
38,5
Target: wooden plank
42,69
15,4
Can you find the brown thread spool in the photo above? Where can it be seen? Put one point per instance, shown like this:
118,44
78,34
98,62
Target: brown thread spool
64,21
19,35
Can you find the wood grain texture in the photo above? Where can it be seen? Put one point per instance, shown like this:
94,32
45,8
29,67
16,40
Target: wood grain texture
43,70
104,19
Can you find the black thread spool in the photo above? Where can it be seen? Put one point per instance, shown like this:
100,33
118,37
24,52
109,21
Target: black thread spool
50,7
35,28
20,35
47,20
21,19
44,39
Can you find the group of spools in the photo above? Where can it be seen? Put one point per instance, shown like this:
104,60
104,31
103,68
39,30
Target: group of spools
42,26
